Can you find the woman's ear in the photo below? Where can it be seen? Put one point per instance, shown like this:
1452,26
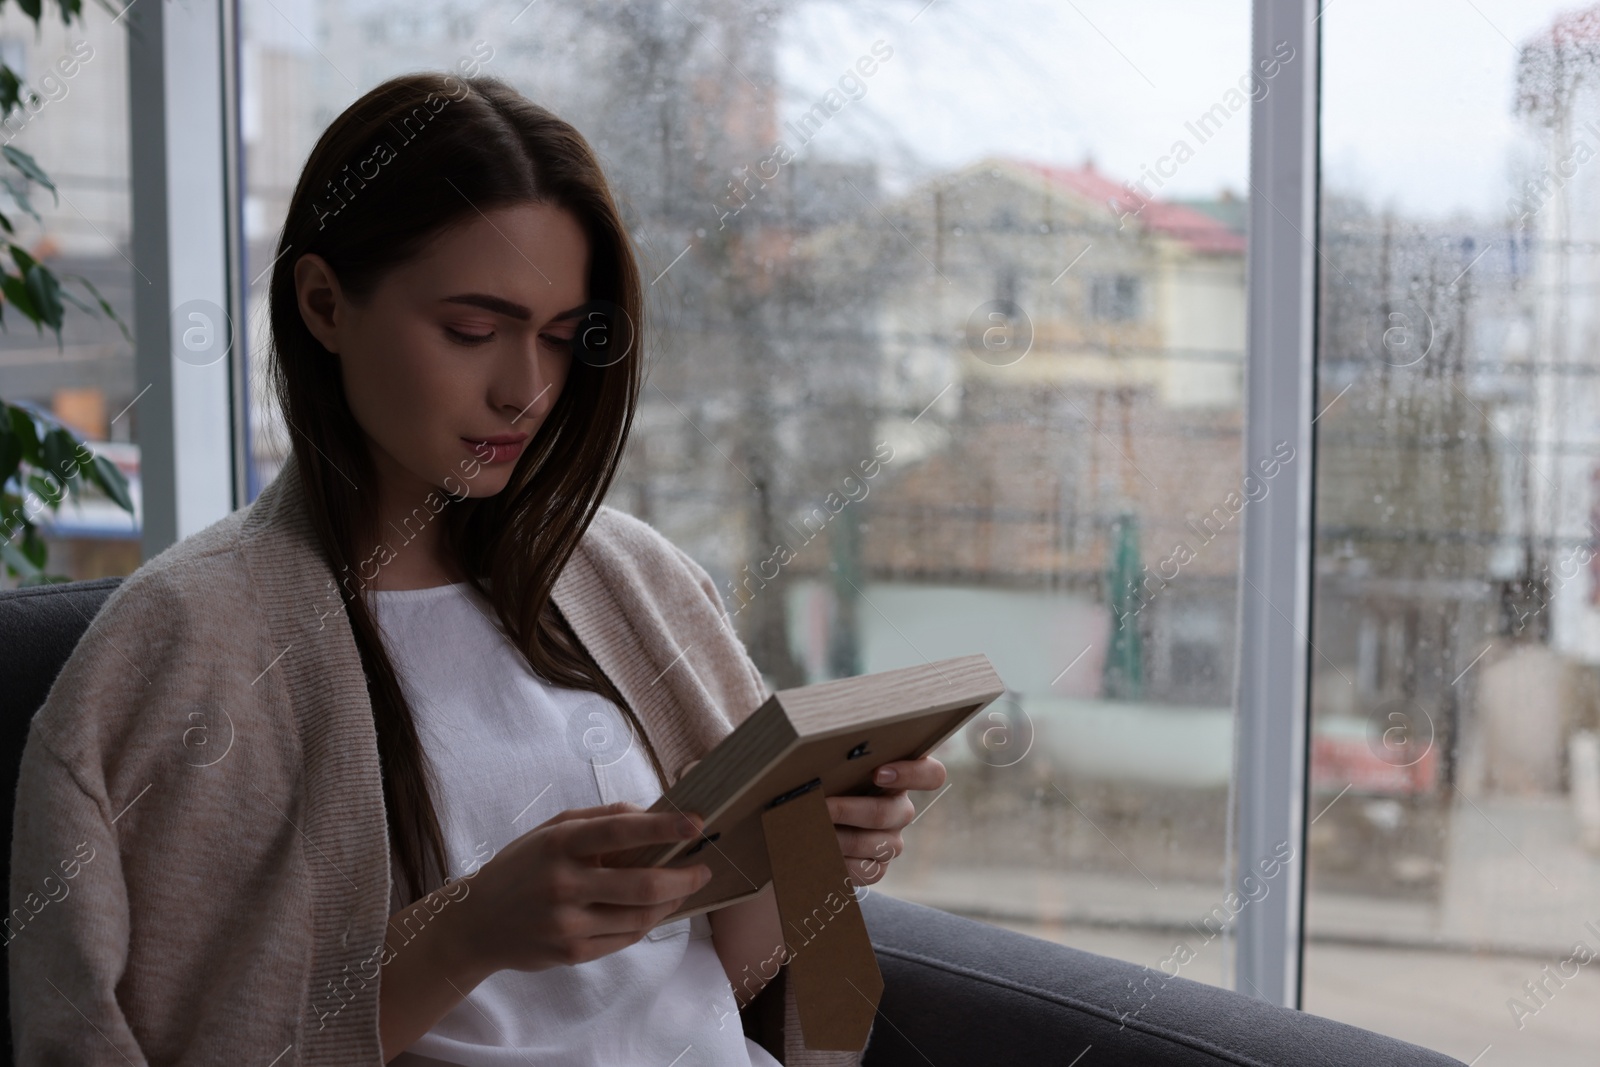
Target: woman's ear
320,299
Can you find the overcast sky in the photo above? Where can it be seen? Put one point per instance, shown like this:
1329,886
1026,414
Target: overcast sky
1416,94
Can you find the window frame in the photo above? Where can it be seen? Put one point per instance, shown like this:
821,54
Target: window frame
1272,708
182,105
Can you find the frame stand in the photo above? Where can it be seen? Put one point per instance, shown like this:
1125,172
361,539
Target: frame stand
837,984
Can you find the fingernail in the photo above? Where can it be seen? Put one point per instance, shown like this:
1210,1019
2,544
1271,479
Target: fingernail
885,775
686,827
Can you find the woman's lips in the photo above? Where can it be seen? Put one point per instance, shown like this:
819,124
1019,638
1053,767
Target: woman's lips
501,448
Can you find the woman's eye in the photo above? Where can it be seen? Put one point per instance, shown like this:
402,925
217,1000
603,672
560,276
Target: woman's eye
467,338
556,341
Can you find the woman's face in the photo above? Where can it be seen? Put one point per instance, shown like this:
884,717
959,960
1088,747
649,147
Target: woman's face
460,353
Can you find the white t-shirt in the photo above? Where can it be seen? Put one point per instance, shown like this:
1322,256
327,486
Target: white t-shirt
510,751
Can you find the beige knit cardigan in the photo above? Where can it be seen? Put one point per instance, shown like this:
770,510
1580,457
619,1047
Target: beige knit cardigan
200,867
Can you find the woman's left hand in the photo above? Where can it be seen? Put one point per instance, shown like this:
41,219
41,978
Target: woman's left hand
869,827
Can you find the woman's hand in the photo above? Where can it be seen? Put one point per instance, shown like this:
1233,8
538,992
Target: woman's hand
869,827
749,936
545,899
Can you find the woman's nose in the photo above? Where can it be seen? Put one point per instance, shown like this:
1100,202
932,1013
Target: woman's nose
527,386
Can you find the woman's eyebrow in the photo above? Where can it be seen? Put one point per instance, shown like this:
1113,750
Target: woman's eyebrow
509,308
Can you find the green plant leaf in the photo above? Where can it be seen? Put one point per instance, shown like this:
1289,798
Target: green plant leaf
10,448
45,292
52,493
33,547
27,434
30,169
19,193
10,90
17,293
107,477
31,8
60,451
105,305
72,298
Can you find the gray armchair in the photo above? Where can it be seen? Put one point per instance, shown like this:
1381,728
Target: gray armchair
956,991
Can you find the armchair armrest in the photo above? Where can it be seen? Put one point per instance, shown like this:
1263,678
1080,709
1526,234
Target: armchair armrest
961,991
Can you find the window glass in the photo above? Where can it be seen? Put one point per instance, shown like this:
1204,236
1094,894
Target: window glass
1454,853
946,357
77,130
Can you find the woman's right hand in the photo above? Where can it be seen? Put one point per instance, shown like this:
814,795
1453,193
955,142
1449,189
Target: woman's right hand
545,899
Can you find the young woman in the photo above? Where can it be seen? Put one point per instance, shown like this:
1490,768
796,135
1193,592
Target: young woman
320,783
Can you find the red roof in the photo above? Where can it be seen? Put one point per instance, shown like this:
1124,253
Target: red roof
1567,49
1569,29
1199,231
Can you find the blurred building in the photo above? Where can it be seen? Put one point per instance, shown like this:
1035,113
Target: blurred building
1070,354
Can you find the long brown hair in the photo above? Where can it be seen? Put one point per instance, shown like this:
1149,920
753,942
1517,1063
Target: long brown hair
413,156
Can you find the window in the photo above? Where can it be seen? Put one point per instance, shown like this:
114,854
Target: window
1453,784
78,132
1114,298
881,376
